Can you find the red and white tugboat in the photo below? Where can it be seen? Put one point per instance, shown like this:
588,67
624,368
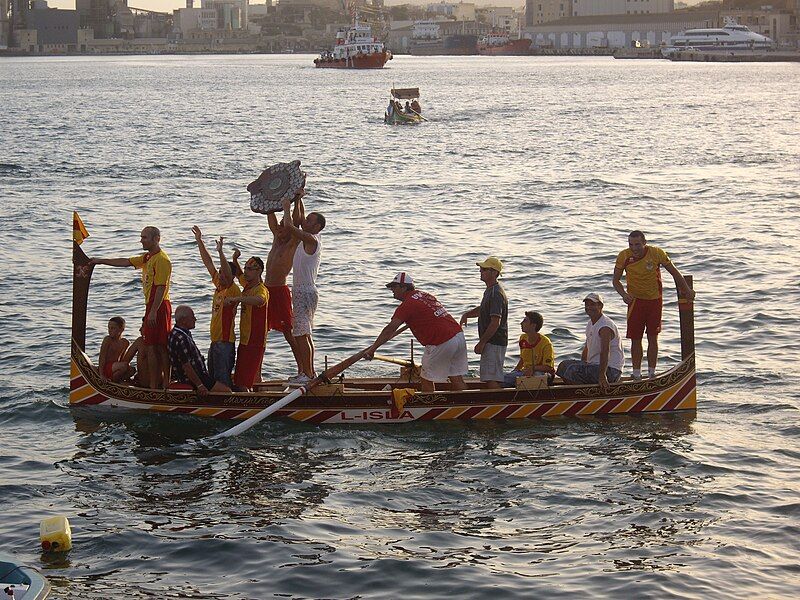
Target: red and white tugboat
355,48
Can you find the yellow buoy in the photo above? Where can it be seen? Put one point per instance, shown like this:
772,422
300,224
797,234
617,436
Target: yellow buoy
55,534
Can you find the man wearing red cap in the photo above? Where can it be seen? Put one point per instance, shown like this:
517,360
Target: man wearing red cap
445,354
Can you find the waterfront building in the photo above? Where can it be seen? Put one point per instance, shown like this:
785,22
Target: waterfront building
501,18
399,37
618,31
331,4
47,30
211,15
5,24
544,11
461,11
98,15
589,8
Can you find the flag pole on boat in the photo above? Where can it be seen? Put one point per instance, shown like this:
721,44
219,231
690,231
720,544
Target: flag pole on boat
323,378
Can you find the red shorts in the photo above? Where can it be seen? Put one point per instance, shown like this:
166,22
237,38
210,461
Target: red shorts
279,309
108,369
644,314
248,365
157,334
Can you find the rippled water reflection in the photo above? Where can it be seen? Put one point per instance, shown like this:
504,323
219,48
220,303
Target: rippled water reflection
545,162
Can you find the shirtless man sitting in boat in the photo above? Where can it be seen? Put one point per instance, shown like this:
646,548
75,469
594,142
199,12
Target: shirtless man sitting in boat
112,351
445,354
277,269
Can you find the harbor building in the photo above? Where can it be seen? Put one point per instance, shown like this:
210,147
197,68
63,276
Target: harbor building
223,15
500,18
46,30
618,31
461,11
593,8
544,11
5,25
98,16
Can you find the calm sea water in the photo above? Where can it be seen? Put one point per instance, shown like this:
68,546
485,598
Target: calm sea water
546,162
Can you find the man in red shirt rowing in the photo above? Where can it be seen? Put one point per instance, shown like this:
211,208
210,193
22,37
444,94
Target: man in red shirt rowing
445,354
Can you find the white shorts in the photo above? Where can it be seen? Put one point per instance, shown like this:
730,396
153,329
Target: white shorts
448,359
492,359
304,305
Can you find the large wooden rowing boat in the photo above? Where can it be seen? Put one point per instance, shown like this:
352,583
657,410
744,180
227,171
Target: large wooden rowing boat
385,400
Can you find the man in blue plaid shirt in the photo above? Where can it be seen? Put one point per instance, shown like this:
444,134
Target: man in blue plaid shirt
188,365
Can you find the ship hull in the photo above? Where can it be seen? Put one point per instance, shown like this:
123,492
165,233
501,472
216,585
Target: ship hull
364,61
512,48
453,45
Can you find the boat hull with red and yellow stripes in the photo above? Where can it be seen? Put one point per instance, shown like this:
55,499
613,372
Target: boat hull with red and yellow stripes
372,400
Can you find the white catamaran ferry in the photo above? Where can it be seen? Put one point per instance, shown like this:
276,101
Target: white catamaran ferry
731,36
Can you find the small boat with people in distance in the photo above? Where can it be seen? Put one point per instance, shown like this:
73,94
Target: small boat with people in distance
355,48
397,114
334,398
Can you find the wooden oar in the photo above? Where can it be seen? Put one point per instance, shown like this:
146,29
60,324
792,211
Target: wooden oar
396,361
416,113
324,377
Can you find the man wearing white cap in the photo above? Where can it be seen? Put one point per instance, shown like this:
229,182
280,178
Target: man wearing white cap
445,354
602,358
492,324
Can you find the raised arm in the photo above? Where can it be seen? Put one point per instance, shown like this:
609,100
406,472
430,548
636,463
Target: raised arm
198,236
299,212
296,232
272,221
224,267
235,258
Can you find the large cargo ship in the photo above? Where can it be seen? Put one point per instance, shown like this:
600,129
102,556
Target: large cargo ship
355,48
451,45
499,44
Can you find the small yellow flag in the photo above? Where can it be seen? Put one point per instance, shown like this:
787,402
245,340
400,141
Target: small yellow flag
79,232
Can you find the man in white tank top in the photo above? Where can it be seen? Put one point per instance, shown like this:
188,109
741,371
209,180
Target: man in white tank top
304,287
602,358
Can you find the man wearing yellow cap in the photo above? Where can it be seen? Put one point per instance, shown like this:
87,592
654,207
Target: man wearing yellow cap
492,316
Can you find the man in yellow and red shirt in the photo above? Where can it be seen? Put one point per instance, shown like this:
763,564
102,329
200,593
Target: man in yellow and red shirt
222,352
156,273
642,266
252,324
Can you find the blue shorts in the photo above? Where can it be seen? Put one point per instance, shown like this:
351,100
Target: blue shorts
221,360
577,371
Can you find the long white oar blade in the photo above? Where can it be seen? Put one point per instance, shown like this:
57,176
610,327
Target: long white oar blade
257,418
